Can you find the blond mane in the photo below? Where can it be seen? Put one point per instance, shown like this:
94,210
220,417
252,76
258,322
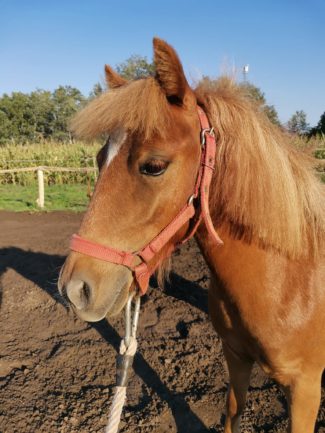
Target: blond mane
139,106
264,188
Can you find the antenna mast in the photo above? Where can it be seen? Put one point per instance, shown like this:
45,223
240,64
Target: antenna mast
245,72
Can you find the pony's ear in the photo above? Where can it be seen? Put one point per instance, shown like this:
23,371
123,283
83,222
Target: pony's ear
169,71
113,79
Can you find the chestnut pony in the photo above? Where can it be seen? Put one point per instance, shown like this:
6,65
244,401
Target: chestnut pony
267,294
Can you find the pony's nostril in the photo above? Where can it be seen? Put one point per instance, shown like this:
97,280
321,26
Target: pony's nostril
86,292
79,293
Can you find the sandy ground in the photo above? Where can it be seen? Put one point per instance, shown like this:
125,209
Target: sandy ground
57,373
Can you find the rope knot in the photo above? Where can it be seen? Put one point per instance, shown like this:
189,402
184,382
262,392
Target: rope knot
129,349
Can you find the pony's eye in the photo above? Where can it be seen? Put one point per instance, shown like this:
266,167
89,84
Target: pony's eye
153,167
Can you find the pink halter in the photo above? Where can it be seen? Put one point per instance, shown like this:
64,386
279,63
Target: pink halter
143,271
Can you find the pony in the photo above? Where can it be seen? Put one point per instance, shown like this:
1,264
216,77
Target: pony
267,293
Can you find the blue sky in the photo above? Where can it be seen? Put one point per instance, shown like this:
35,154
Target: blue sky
45,43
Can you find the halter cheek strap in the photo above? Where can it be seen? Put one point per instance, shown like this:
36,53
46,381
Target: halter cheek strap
189,212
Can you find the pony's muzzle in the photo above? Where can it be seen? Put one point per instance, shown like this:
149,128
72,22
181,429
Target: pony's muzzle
94,288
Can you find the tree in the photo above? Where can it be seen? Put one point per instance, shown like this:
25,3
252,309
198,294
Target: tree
135,67
39,115
298,123
5,128
253,93
18,117
67,101
43,108
321,124
97,90
257,95
320,128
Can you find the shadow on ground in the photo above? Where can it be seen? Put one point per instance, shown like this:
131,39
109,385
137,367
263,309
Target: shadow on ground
42,269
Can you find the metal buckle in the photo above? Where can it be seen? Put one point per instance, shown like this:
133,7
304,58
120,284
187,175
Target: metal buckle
190,200
210,131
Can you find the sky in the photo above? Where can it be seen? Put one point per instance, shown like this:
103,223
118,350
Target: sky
47,43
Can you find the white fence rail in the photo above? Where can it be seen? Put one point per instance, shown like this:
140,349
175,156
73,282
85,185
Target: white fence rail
40,176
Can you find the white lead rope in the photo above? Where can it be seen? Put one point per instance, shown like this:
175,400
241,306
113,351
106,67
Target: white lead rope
127,351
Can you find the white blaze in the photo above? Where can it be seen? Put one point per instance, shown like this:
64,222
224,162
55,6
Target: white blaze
116,140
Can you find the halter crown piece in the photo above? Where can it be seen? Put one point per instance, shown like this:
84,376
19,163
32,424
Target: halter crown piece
195,210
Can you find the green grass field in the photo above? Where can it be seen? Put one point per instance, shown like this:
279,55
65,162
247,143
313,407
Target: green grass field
57,197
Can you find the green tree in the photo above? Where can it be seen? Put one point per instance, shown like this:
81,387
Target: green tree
5,127
135,67
17,110
97,90
43,109
67,101
39,115
319,129
298,123
257,95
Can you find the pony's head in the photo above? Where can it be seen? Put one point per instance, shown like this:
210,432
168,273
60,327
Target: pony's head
263,191
148,169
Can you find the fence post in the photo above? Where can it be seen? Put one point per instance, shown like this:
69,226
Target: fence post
40,178
95,168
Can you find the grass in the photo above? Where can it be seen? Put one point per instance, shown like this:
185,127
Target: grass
63,191
57,197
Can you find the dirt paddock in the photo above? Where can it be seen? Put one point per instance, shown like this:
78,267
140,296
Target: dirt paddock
57,373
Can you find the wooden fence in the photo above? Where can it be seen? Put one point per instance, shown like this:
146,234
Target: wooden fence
40,176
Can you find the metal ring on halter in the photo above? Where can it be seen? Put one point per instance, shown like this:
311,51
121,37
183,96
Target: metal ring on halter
190,200
210,131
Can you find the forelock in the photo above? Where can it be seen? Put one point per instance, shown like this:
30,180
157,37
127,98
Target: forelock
140,106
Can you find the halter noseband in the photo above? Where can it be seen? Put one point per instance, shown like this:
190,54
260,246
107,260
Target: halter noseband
189,212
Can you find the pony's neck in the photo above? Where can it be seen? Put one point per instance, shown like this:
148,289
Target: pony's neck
236,263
